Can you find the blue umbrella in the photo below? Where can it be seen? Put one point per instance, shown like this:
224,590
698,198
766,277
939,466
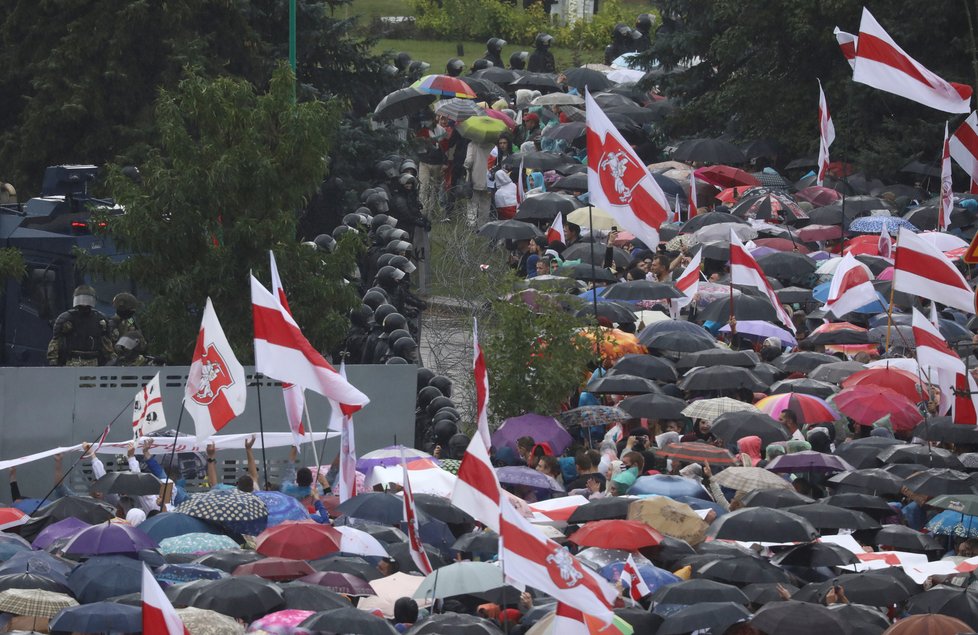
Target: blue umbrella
667,485
177,573
651,574
104,577
9,549
99,617
875,224
821,293
282,507
699,503
170,524
952,523
39,562
27,505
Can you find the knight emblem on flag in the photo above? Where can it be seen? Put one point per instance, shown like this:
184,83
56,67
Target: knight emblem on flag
618,172
214,377
567,572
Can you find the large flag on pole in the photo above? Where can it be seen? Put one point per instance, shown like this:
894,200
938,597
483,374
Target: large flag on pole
343,423
965,410
851,287
283,352
147,409
745,270
847,43
618,181
922,269
947,193
159,616
938,362
411,523
533,559
826,135
294,395
216,389
882,64
481,386
963,145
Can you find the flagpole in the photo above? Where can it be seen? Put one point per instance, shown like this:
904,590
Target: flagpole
889,318
594,284
261,428
173,448
312,439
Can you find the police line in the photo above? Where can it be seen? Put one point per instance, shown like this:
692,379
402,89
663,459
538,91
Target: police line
164,445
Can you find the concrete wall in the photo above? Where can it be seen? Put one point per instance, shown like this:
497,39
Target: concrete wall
41,408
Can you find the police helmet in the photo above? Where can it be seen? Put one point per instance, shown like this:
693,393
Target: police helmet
341,230
426,394
373,299
481,64
495,45
437,404
360,316
402,60
394,321
381,313
384,260
84,296
397,334
442,383
125,302
407,165
454,67
424,376
325,242
517,61
377,204
543,40
402,263
393,361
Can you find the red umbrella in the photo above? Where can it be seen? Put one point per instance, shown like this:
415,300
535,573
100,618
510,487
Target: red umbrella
901,381
299,539
276,569
629,535
782,244
731,194
868,404
503,117
818,196
819,232
725,176
863,245
12,517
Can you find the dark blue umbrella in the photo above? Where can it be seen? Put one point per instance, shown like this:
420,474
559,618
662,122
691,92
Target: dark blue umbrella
380,507
282,507
99,617
170,524
667,485
33,581
177,573
38,562
523,475
9,549
109,538
104,577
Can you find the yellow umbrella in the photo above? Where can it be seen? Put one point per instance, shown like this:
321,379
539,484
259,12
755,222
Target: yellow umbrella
596,219
669,517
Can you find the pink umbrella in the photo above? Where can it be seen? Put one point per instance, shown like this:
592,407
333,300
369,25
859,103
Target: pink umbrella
886,274
503,117
818,196
287,618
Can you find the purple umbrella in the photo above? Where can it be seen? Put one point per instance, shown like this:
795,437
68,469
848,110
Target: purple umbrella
109,538
343,583
66,528
540,428
809,461
522,475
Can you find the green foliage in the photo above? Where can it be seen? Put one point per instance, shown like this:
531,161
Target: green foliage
535,357
496,18
220,189
11,264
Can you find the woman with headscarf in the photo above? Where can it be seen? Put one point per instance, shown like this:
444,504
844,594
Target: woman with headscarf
750,451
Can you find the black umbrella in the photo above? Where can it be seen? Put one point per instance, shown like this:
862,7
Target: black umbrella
721,378
544,207
798,618
716,356
776,498
940,481
816,554
648,366
653,406
870,504
228,560
581,78
794,295
770,205
923,456
734,426
788,267
904,538
673,326
947,600
639,114
401,552
806,386
864,453
944,430
387,534
670,187
862,619
614,311
823,516
84,508
835,372
246,597
595,252
497,75
763,592
378,507
694,591
869,480
348,620
32,581
746,307
303,596
40,563
543,82
99,617
179,595
678,341
441,508
460,623
710,218
741,570
762,524
925,216
484,89
543,161
508,230
803,362
708,151
635,290
132,483
620,384
588,273
613,508
348,564
574,182
716,617
478,542
573,133
840,336
869,587
103,577
403,102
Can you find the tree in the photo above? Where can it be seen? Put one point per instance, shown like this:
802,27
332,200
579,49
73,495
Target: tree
759,62
220,188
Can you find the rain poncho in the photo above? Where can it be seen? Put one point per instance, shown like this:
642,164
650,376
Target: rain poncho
505,196
750,447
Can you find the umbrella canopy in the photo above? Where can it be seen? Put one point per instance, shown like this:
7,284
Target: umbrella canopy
808,461
403,102
528,477
302,596
900,381
875,506
905,539
763,525
708,151
109,538
546,206
931,624
178,573
228,560
237,511
798,618
920,455
823,516
601,509
698,452
444,86
803,362
715,356
835,372
939,482
133,483
484,542
874,588
679,342
379,507
82,508
713,616
482,129
653,406
458,109
733,426
279,569
541,428
461,578
204,622
99,617
348,620
40,563
669,518
508,230
630,535
711,409
741,570
636,290
807,408
724,176
196,543
721,377
806,386
648,366
33,581
621,384
299,539
816,554
242,597
693,592
777,498
587,416
34,602
459,623
338,582
748,479
952,601
870,480
948,523
171,524
944,430
103,577
63,529
746,308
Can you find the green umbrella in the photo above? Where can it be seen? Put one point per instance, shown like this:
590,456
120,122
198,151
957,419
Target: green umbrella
196,543
461,578
482,129
966,504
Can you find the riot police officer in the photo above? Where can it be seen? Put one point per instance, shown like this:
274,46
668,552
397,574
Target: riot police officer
124,321
494,51
542,60
81,336
643,26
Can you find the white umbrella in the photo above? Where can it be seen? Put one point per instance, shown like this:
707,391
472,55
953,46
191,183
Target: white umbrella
720,233
944,242
359,542
426,478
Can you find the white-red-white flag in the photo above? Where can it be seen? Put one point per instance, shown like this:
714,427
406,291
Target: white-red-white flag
283,353
101,440
618,181
826,135
481,375
885,244
216,390
937,361
533,559
294,395
963,145
556,229
569,621
147,409
882,64
922,269
947,193
965,410
347,469
693,203
688,283
632,581
847,43
159,616
411,523
520,187
851,287
745,270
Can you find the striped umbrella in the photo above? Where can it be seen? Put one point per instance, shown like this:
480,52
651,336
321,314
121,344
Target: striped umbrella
444,86
698,452
458,109
808,408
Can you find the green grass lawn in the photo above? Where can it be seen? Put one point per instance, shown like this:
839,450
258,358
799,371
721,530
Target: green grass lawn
370,9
